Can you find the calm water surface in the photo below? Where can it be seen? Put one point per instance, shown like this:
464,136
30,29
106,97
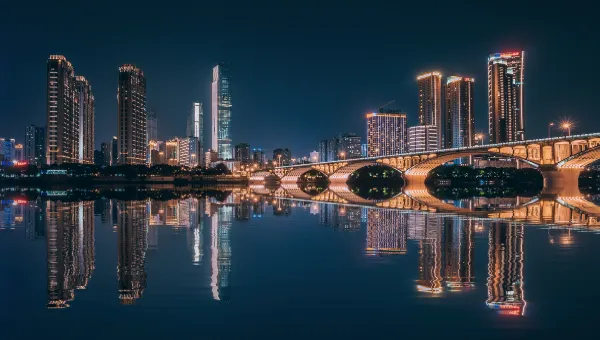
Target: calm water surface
249,266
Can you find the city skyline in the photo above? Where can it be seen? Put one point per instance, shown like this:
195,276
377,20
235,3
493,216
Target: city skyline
361,78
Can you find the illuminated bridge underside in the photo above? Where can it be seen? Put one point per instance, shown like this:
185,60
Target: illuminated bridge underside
343,174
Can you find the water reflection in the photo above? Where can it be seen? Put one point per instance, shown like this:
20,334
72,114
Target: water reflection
443,239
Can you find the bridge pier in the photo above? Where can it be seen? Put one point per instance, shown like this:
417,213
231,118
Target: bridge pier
414,182
561,182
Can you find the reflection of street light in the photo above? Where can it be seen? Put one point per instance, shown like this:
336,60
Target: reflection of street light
549,128
566,125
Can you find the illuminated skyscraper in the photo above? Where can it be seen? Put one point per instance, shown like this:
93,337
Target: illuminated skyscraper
132,224
35,145
460,112
506,97
188,151
84,103
349,146
152,128
131,117
220,248
386,133
221,112
62,123
505,268
458,253
423,138
430,100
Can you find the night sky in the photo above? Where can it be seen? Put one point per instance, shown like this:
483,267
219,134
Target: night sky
300,73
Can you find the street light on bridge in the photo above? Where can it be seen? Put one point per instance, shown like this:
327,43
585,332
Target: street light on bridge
549,128
479,138
567,125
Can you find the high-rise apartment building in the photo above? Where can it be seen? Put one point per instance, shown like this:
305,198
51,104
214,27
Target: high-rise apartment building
386,133
19,153
349,146
105,151
423,138
506,97
259,157
430,100
131,117
84,104
152,126
62,123
242,153
195,128
188,151
172,152
35,145
460,112
221,112
323,150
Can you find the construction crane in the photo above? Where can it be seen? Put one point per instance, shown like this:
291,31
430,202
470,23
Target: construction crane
381,108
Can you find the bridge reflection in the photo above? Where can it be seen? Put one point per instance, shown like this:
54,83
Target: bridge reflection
573,210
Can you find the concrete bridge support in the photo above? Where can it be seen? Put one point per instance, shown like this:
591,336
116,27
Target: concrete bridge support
563,182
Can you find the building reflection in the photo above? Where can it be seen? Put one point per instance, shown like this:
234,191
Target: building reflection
428,230
386,232
458,252
70,249
221,217
132,228
505,268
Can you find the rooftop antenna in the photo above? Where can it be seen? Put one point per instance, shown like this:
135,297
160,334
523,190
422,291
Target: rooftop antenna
381,108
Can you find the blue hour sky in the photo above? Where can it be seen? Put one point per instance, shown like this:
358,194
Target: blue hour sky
301,71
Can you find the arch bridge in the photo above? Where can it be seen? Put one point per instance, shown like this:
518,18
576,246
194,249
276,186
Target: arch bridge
560,161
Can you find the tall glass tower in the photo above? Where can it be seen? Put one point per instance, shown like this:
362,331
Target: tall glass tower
221,112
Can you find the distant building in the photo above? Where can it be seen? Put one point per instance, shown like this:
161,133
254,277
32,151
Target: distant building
7,149
105,151
349,146
188,152
506,97
332,149
221,112
84,104
195,128
283,157
364,150
62,132
386,133
423,138
259,157
114,151
211,156
19,153
314,157
35,145
172,152
242,153
152,127
131,116
323,151
430,100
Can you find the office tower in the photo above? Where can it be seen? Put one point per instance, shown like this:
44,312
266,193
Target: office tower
505,268
386,133
386,232
242,153
423,138
35,145
349,146
221,112
323,150
84,105
259,157
220,250
152,127
195,128
283,157
105,151
19,153
7,149
506,96
458,254
114,151
188,151
131,117
62,123
172,152
460,112
332,149
314,157
430,100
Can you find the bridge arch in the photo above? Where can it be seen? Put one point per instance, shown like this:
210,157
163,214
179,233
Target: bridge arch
581,159
293,176
342,174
